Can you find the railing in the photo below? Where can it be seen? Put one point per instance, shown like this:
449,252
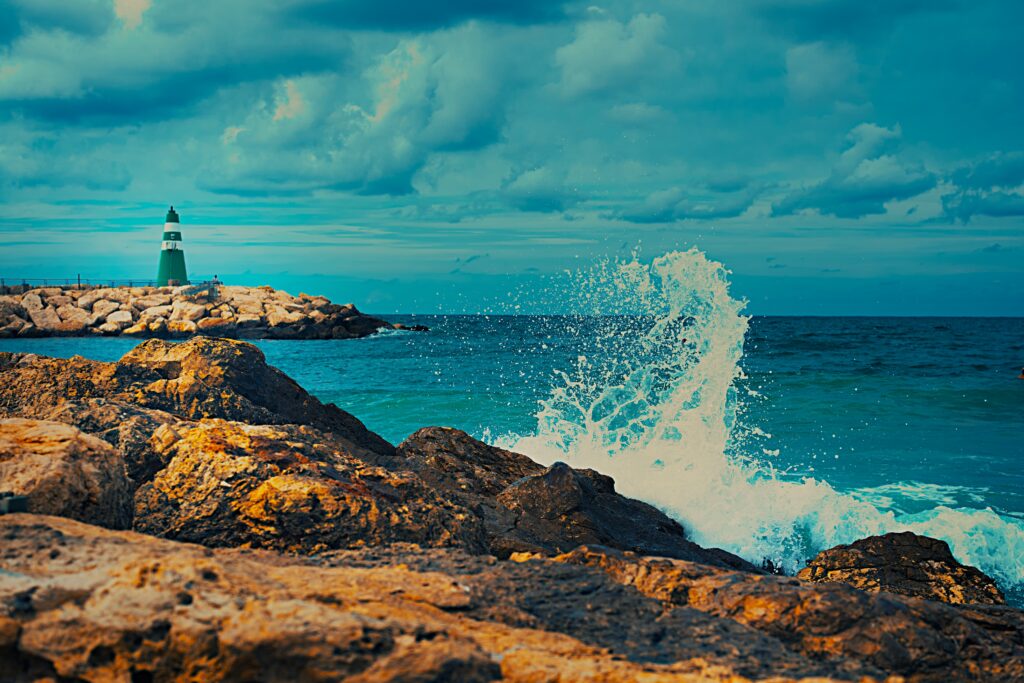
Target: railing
20,285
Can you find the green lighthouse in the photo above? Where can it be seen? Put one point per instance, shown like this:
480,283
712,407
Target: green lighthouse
172,258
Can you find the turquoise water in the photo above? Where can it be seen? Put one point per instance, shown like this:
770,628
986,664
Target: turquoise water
773,437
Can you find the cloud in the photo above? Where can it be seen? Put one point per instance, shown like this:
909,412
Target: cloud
817,71
991,187
420,15
965,205
539,189
434,95
1002,170
607,54
867,175
678,204
162,67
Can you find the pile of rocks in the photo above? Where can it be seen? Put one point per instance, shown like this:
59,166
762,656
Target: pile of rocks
194,514
177,312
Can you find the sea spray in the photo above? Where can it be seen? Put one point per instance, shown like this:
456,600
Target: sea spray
652,401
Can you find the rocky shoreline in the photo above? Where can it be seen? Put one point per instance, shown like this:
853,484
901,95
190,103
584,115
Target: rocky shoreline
180,312
194,514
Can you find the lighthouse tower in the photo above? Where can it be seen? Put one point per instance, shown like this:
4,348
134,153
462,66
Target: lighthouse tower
172,258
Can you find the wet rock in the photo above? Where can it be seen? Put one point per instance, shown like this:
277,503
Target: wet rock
857,632
529,508
289,488
907,564
65,472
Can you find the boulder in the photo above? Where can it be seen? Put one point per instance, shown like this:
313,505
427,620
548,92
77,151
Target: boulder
58,301
187,310
102,308
90,297
137,330
151,300
245,320
31,301
529,508
109,328
216,326
181,328
907,564
155,312
64,472
122,319
290,488
72,313
44,318
278,316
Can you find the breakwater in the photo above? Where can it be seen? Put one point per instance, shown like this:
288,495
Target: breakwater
177,312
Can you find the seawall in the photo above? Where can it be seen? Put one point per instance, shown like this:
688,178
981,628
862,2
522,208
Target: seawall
178,312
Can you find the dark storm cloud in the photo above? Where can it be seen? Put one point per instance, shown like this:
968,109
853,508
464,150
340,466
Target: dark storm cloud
964,206
419,15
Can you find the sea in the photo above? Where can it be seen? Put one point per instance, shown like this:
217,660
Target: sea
771,437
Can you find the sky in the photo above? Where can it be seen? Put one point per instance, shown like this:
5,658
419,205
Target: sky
840,157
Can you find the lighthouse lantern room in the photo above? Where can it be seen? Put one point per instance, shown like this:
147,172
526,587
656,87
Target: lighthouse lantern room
172,257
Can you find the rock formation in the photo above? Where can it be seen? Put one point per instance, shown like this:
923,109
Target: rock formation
64,472
178,312
298,545
907,564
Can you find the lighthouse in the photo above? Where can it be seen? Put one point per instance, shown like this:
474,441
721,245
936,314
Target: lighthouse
172,258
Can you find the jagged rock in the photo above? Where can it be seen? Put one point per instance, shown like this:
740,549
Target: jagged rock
907,564
64,472
529,508
127,427
202,377
857,632
288,488
87,603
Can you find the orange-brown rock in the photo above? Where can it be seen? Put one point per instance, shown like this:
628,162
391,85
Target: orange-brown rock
290,488
907,564
202,377
852,630
82,603
64,472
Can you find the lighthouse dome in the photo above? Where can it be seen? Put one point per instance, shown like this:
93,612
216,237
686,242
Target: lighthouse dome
172,216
